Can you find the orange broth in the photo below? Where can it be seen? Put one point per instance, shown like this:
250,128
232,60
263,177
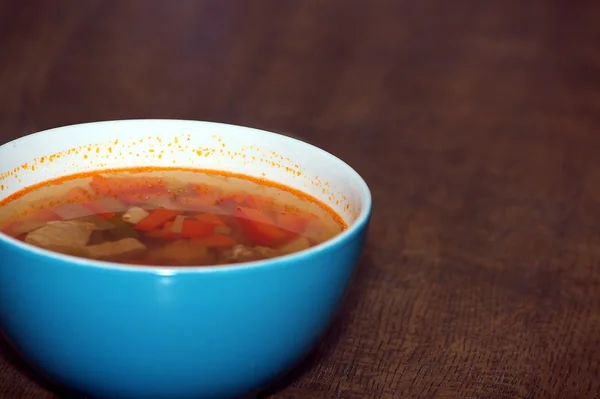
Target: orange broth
168,217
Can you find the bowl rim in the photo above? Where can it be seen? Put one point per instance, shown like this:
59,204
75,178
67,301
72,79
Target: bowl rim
353,229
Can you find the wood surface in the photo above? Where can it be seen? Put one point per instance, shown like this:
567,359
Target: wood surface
475,123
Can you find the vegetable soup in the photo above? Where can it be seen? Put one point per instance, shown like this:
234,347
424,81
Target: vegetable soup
168,217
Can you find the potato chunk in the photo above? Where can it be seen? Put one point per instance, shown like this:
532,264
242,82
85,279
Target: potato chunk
61,236
113,250
182,253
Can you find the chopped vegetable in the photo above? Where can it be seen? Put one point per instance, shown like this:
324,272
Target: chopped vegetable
198,197
191,229
19,227
156,219
30,222
106,207
167,201
260,202
127,247
181,253
259,228
99,210
210,218
122,229
177,225
316,232
61,234
292,222
220,226
99,222
223,229
78,195
134,215
72,211
135,198
198,203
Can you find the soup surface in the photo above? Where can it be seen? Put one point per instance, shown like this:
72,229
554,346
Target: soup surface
167,217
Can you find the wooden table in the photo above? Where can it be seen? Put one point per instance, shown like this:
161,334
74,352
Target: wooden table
475,123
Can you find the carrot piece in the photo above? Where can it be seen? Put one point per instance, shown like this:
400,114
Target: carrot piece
192,229
215,240
156,219
210,218
292,222
259,228
78,195
117,185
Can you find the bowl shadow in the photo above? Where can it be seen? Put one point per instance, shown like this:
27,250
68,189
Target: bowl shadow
331,336
12,357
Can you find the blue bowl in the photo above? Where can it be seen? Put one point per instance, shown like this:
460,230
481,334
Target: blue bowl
114,331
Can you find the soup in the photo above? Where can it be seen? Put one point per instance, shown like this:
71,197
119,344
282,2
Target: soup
167,217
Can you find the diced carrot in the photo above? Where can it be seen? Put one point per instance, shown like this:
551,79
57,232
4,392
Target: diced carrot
215,240
117,185
156,219
192,229
78,195
292,222
260,229
210,218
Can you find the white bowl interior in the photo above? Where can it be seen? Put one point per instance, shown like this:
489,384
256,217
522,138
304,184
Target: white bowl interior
175,143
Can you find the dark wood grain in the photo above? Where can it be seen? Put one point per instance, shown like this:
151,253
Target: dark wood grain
476,124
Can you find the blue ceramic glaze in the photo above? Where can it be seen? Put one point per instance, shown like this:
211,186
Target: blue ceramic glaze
113,331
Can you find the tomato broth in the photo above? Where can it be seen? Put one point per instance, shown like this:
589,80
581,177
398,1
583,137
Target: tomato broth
168,217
